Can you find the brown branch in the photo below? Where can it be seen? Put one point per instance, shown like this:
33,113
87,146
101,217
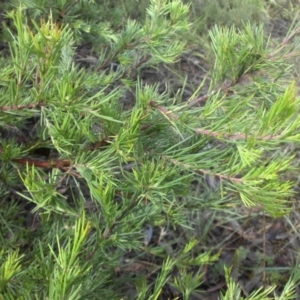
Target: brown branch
63,13
216,134
56,163
205,172
107,232
270,56
163,110
204,98
140,63
20,107
99,144
43,163
283,43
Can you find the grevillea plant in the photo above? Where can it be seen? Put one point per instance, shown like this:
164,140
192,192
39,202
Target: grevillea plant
99,177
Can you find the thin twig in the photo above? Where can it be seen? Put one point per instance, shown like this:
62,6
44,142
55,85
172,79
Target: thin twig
164,110
214,134
63,13
206,172
20,107
236,136
283,43
204,98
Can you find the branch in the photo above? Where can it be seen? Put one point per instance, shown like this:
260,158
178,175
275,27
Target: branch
163,110
204,98
214,134
19,107
283,43
270,56
206,172
43,163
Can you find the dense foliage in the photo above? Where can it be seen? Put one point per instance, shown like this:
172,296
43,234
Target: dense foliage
101,158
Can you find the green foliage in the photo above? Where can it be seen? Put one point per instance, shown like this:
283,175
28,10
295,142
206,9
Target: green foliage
228,12
112,171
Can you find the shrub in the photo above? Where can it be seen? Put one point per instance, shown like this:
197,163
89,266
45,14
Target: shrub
101,177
